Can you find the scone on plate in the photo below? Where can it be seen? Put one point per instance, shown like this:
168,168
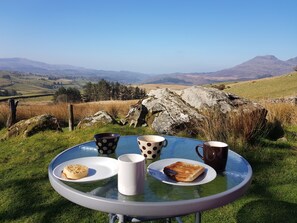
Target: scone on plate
183,172
75,171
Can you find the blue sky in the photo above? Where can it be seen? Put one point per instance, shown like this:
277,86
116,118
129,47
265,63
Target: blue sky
149,36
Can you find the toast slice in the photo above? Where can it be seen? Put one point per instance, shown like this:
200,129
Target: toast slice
75,171
183,172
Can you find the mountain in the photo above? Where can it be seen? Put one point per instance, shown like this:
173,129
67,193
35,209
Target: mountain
25,65
292,61
30,66
255,68
258,67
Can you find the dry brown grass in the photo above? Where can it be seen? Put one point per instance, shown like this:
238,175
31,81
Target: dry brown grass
3,114
285,113
235,128
231,128
239,128
115,108
27,110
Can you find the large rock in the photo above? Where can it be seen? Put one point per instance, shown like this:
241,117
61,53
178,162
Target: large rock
168,113
100,117
34,125
212,98
173,111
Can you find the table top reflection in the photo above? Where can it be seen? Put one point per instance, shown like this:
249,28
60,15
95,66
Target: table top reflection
159,199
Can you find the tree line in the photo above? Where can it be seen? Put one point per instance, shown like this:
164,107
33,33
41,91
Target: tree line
100,91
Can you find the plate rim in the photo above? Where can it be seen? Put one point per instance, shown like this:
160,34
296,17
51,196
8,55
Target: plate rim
85,179
181,183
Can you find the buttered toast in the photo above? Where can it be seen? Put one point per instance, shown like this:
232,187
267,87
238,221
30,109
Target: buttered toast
183,172
75,171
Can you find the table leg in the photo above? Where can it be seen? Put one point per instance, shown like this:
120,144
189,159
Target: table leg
198,217
113,218
121,218
168,220
178,219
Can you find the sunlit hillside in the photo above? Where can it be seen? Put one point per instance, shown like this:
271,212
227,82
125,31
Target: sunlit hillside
275,87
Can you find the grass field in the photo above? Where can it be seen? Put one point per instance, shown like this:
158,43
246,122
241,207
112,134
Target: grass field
267,88
35,84
27,196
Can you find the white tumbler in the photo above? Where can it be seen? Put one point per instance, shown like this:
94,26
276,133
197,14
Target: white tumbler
131,174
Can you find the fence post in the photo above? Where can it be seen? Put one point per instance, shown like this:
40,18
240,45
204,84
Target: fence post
12,112
71,118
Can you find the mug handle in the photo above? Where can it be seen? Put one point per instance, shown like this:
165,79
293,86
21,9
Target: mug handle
165,143
197,151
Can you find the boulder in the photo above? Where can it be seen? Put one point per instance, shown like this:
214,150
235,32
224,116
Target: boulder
100,117
204,98
173,111
33,125
168,113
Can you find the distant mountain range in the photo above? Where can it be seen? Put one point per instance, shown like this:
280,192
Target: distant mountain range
36,67
258,67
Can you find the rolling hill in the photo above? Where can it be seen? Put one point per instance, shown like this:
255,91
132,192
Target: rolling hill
266,88
34,84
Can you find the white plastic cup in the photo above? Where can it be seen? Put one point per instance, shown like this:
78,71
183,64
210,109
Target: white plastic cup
131,174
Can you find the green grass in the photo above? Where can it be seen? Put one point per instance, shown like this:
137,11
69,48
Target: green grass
27,196
275,87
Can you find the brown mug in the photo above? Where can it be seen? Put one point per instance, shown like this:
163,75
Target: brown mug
215,154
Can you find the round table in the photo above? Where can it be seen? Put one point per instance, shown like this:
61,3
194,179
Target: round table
159,200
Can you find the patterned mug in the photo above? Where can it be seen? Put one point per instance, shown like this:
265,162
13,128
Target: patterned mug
106,142
151,145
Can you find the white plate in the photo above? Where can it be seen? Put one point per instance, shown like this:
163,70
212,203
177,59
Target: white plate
99,168
156,170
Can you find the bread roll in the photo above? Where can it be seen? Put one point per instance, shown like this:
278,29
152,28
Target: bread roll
183,172
75,171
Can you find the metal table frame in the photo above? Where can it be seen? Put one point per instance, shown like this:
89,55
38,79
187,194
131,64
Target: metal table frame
122,218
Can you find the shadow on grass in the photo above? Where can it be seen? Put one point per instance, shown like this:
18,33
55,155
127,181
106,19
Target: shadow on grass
275,144
267,211
272,168
36,201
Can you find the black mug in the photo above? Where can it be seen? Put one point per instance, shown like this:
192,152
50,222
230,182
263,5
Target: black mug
106,142
215,154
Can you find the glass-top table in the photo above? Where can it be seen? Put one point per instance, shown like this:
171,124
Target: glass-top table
159,200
